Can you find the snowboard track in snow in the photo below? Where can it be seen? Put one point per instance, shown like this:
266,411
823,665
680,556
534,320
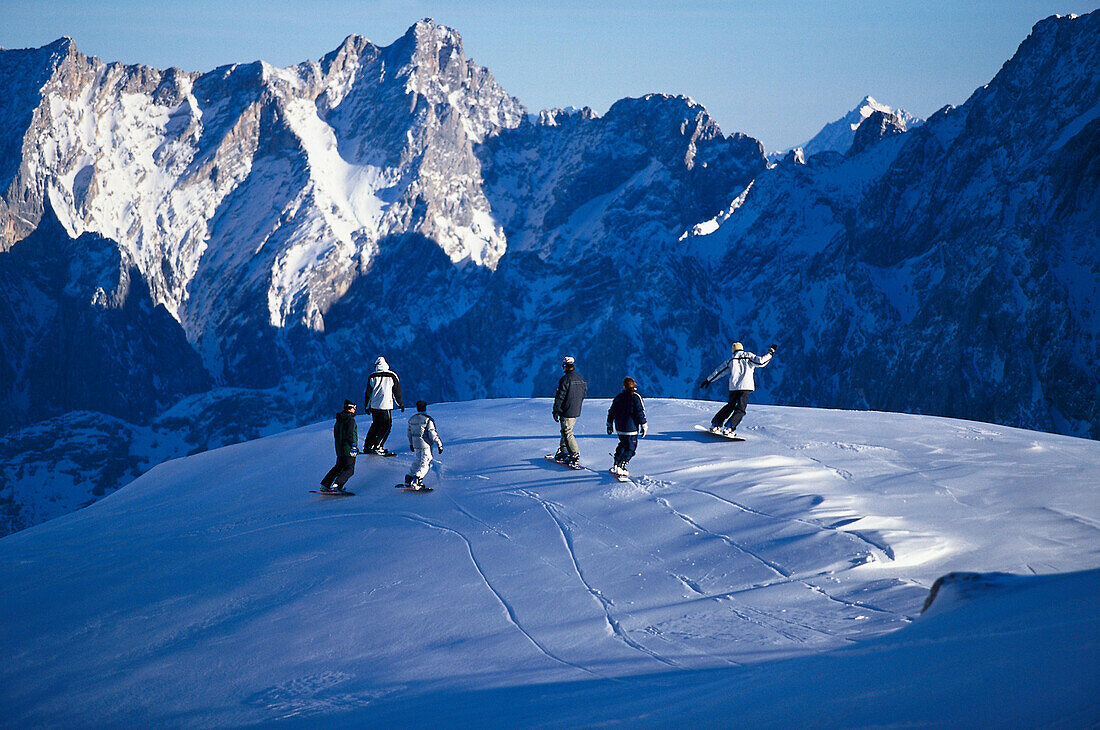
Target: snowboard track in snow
605,603
508,609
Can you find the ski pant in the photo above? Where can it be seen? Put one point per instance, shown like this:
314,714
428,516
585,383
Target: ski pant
628,445
568,443
734,410
341,473
380,425
422,459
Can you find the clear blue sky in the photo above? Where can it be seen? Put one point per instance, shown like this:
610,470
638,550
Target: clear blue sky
775,69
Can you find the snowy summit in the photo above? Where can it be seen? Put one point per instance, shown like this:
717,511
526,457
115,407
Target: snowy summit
777,582
837,136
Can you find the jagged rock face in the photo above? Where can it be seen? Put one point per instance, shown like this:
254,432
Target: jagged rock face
277,229
659,158
944,270
589,241
875,127
81,332
250,197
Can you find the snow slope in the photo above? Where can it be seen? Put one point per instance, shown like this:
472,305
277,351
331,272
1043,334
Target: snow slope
773,582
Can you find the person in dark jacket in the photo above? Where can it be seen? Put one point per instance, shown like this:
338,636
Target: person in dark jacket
567,407
346,435
626,417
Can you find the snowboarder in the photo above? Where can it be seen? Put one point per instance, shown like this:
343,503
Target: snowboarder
383,392
346,436
422,435
567,407
626,416
740,365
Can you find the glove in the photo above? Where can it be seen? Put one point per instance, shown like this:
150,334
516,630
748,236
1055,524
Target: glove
704,384
773,348
555,418
402,409
412,448
354,451
609,429
440,447
641,430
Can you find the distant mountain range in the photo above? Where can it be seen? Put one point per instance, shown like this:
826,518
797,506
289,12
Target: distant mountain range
191,259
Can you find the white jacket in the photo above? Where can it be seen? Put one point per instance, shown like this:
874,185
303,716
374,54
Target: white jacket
741,366
422,433
383,387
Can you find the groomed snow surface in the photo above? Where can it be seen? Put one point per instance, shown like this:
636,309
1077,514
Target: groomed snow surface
776,582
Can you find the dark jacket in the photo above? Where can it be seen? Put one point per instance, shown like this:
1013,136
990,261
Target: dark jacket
345,433
571,392
626,413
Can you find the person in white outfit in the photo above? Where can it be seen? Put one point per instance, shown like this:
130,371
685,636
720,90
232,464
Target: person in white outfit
422,435
741,366
383,393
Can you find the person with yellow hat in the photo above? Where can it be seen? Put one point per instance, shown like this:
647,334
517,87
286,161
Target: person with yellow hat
741,366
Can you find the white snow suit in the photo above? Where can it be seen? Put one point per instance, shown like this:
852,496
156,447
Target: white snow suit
422,435
741,366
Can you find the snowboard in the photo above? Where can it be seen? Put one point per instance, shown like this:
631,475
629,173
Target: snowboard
550,457
618,477
332,494
706,429
372,453
407,488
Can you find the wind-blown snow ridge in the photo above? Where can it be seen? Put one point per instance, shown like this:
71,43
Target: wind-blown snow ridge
719,563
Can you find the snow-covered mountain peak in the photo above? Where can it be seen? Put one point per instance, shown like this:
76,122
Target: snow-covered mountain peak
63,46
837,136
426,38
674,108
1053,79
868,105
429,52
796,156
431,59
555,117
878,125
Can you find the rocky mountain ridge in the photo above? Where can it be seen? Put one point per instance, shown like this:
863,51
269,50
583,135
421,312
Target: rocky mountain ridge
264,233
